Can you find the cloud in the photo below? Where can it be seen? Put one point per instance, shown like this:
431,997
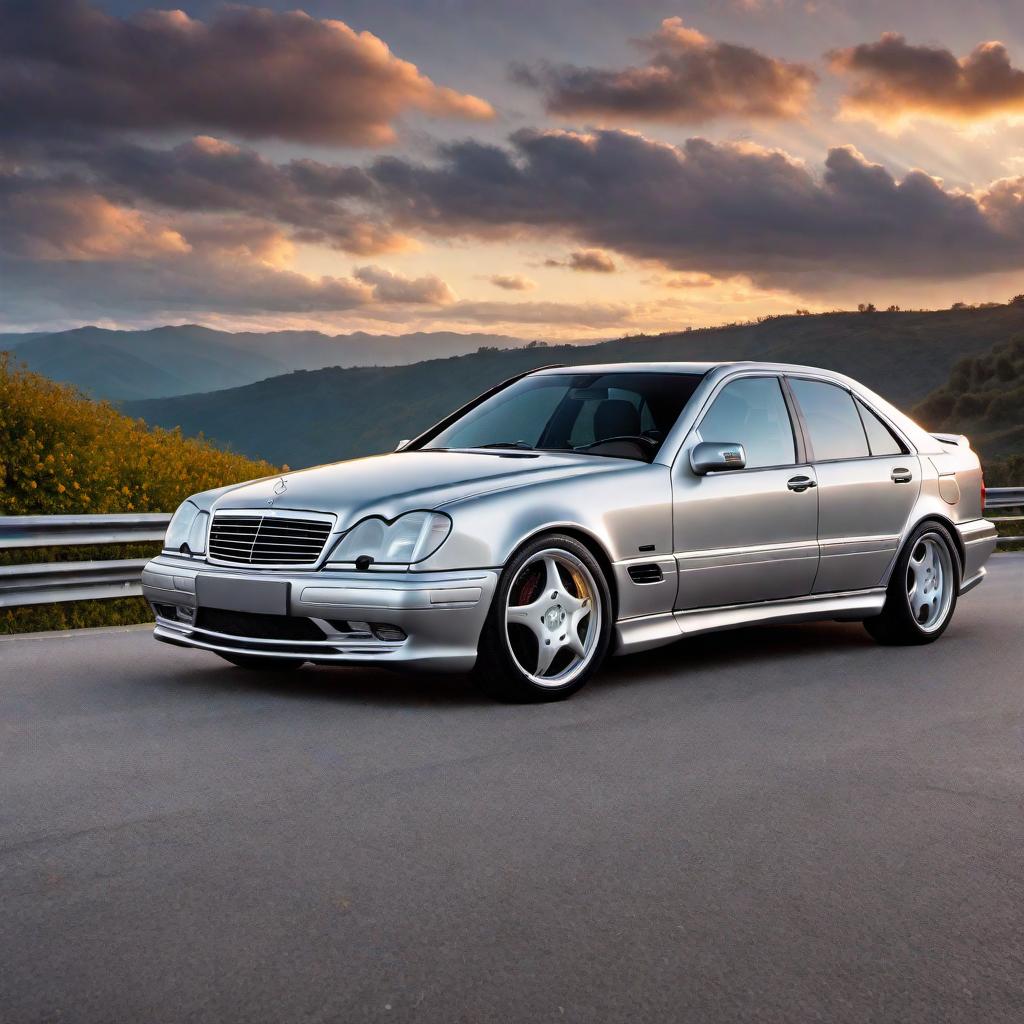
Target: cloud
595,261
894,80
391,287
66,250
688,79
723,209
68,67
512,282
323,204
46,220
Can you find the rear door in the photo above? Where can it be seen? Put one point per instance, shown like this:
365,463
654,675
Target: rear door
868,484
746,535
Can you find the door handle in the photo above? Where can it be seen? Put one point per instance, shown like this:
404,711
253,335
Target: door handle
901,476
800,483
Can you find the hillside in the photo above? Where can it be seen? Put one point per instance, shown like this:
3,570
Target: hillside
166,361
330,414
63,454
983,398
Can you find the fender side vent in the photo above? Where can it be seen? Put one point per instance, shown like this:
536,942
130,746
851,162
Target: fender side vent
649,573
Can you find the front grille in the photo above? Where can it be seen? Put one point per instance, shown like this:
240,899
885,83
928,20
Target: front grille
258,627
267,540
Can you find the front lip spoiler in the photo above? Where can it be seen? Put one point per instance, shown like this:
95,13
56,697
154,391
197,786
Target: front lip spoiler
319,651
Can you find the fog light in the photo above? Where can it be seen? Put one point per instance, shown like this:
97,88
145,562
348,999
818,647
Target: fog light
384,631
183,614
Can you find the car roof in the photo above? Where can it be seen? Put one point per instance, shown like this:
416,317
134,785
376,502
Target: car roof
662,367
694,367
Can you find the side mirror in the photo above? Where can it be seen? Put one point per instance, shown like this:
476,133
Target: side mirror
401,444
717,457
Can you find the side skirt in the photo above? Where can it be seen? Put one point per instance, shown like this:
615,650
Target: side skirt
649,631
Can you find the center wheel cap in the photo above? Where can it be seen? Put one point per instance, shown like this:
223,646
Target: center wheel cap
554,617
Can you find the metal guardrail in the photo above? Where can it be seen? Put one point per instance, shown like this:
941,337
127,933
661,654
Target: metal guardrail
58,531
42,583
45,582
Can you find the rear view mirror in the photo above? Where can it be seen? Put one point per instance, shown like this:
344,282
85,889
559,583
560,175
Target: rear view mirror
717,457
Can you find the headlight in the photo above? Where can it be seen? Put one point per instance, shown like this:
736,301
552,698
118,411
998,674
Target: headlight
187,527
410,538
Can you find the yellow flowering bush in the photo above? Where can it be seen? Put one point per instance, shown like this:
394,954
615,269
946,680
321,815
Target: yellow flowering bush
62,454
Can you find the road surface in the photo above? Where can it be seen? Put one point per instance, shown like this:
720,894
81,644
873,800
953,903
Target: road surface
786,824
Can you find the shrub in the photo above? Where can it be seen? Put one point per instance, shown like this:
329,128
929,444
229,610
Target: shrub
61,453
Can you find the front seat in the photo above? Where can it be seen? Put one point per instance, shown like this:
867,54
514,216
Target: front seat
616,417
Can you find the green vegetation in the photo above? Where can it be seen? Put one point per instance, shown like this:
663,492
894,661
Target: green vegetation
63,454
305,418
984,399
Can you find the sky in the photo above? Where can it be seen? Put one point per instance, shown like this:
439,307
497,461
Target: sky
555,170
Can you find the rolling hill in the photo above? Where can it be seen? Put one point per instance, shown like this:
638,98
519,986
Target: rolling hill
167,361
983,398
319,416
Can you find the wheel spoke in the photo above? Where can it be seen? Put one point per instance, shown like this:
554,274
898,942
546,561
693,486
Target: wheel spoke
529,615
546,651
574,643
552,578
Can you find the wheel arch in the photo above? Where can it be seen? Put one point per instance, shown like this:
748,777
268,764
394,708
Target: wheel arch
941,520
589,541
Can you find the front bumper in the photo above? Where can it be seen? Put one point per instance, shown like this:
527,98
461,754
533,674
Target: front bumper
441,614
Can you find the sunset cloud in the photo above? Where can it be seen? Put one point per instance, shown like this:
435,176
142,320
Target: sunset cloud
54,221
322,204
512,282
722,209
688,79
391,287
594,261
66,66
894,80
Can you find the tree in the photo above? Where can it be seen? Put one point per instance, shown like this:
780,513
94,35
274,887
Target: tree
1017,300
866,307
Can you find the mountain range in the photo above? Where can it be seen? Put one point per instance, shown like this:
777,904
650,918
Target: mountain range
166,361
310,417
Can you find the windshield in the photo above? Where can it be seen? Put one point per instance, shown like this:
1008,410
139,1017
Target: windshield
573,412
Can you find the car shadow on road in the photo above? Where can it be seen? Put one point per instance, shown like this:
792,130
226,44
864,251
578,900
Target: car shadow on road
752,647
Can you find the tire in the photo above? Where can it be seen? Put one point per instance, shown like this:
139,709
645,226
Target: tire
254,663
917,610
550,623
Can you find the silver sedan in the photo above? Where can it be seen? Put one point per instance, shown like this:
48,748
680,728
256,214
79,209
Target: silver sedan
577,512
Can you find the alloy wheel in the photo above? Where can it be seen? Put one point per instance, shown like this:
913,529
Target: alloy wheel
553,617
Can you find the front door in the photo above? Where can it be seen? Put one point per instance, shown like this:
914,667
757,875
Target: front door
868,485
746,535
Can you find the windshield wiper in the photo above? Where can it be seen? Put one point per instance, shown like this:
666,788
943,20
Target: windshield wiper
518,445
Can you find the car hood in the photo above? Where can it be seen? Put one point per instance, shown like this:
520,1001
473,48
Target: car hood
388,485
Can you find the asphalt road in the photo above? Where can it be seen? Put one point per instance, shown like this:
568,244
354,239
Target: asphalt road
786,824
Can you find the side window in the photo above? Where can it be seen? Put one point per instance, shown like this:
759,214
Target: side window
832,420
752,412
880,437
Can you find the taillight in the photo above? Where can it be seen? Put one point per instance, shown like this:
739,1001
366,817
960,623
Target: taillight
982,492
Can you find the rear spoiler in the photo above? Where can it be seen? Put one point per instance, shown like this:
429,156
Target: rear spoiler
955,439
